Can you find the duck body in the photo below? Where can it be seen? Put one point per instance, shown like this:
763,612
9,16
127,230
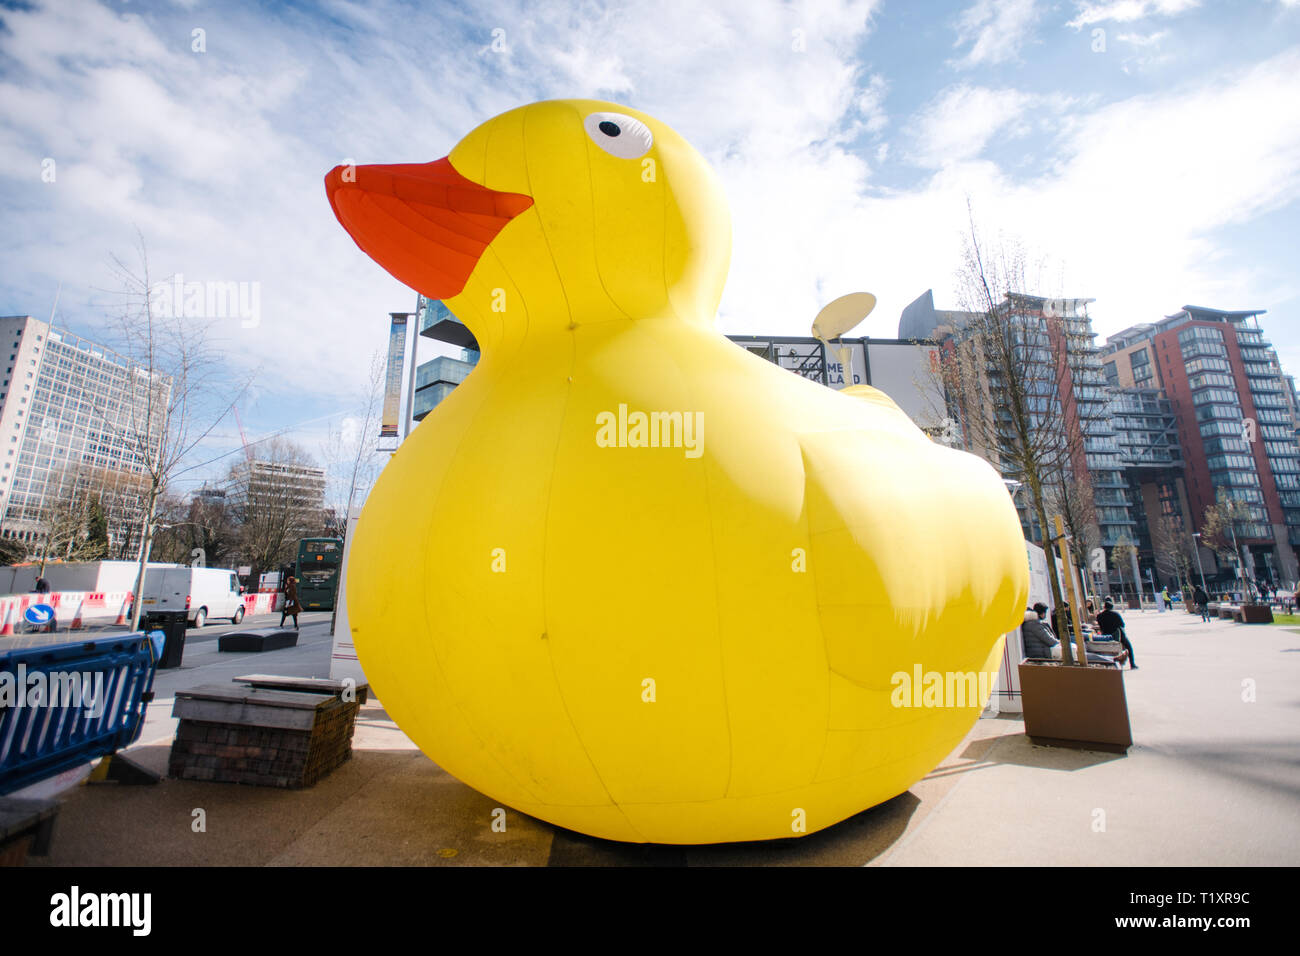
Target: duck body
689,643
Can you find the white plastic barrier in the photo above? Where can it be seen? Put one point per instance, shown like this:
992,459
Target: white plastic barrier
1006,693
83,607
263,602
99,608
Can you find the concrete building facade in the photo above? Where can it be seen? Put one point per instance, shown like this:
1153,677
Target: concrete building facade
68,429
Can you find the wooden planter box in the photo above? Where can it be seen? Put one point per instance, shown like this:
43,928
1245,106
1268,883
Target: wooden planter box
1254,614
1074,706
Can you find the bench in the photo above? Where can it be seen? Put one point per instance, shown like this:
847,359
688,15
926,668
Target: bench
260,736
258,639
26,826
308,685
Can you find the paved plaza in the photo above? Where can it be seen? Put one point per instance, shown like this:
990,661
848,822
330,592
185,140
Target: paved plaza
1213,779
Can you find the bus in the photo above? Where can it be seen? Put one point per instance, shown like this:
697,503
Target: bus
317,571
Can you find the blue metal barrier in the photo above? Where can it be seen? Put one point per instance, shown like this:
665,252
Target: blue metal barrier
64,702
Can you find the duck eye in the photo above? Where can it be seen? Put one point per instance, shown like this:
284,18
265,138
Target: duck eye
619,135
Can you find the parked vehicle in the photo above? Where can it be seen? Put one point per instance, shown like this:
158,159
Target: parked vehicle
204,592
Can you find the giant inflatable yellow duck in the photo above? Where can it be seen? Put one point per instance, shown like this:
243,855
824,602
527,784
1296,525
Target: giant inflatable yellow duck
628,577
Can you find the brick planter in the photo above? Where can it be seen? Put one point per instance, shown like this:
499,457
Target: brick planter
235,734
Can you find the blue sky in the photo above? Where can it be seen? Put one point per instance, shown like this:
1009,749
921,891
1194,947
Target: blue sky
1147,152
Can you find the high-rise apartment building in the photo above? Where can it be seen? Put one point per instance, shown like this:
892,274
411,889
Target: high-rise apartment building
1237,422
1159,515
1055,338
68,430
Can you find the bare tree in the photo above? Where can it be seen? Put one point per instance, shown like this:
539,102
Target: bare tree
177,392
1003,372
1072,499
351,456
73,522
1172,549
1219,528
171,540
275,500
200,530
1121,557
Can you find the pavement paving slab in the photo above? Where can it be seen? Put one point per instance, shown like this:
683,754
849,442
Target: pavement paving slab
1212,779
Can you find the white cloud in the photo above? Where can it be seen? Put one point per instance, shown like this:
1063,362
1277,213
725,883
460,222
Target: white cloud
219,159
871,104
1126,11
1128,212
961,120
995,30
1141,40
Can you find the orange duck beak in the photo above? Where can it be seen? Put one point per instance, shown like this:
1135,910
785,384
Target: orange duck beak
423,222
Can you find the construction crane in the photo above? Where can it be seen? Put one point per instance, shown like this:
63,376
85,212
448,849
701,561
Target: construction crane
248,452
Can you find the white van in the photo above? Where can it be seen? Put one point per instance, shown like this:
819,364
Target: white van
204,592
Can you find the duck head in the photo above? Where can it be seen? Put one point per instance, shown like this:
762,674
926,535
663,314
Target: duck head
548,218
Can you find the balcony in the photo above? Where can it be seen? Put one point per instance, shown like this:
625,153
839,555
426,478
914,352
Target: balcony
437,322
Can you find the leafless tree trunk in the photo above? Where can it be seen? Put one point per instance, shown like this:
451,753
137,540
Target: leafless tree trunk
1003,371
351,453
177,394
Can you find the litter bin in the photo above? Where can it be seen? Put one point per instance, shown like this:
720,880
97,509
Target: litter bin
172,624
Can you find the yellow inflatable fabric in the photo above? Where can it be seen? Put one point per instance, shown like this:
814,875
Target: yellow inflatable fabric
628,577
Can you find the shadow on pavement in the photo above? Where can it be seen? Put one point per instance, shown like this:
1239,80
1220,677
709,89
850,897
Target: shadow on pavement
853,842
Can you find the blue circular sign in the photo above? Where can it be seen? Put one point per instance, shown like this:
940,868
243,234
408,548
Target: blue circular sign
39,614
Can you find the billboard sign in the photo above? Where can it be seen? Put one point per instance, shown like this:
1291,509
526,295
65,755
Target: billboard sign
390,421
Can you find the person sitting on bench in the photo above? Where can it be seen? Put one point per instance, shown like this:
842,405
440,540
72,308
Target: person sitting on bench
1112,626
1037,634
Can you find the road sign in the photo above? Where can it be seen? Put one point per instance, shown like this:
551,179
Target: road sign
39,614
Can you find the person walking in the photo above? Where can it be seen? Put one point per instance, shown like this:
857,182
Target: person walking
1202,603
1169,602
1112,625
291,607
